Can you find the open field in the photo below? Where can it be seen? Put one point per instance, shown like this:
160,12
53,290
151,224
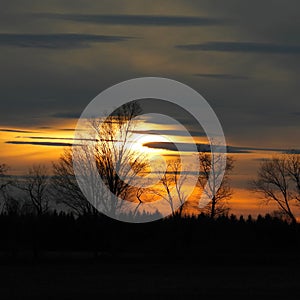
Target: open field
228,276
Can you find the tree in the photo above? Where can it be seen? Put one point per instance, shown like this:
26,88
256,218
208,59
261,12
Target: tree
106,150
171,186
293,170
118,163
210,165
65,187
278,181
36,187
4,184
3,180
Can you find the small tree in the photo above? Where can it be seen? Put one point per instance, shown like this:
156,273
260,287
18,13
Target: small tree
278,181
36,187
4,185
3,180
210,165
172,179
65,188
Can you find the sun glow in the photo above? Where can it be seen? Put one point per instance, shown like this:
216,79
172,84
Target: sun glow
139,140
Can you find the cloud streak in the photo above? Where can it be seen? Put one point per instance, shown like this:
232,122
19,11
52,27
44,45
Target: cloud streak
67,115
57,41
136,20
53,144
170,132
57,138
242,47
188,147
16,130
222,76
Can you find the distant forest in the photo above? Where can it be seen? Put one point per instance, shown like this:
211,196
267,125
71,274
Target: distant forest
96,236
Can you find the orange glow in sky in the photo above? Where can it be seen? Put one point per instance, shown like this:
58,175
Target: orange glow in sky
26,150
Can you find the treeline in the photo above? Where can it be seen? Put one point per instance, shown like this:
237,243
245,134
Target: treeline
99,236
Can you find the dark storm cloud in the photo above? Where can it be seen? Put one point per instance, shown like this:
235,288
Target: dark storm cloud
243,47
222,76
136,20
57,41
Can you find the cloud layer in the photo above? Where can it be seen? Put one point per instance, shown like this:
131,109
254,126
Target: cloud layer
243,47
57,41
136,20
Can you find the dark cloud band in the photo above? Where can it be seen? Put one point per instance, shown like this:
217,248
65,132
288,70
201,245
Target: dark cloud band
41,143
16,130
245,47
57,41
222,76
137,20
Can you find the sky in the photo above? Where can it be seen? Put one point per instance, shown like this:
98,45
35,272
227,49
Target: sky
243,57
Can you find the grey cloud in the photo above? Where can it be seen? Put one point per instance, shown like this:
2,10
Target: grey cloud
67,129
244,47
206,148
187,147
56,138
136,20
44,127
57,41
16,130
41,143
66,115
292,151
169,132
222,76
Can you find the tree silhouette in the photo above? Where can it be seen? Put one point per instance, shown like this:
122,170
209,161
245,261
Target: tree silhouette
3,180
35,185
9,204
65,188
171,186
210,165
278,181
118,163
105,150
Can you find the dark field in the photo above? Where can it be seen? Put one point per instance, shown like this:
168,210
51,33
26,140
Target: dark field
238,276
93,257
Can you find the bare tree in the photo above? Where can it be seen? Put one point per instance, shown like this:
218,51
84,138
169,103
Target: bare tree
293,170
3,180
4,185
171,186
117,162
211,165
36,187
278,182
64,186
105,150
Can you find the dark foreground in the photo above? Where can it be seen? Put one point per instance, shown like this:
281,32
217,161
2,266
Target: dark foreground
62,257
238,276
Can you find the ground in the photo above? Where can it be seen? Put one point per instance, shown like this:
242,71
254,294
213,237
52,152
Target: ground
139,277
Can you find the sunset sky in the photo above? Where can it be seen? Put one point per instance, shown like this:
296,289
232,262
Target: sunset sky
243,58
